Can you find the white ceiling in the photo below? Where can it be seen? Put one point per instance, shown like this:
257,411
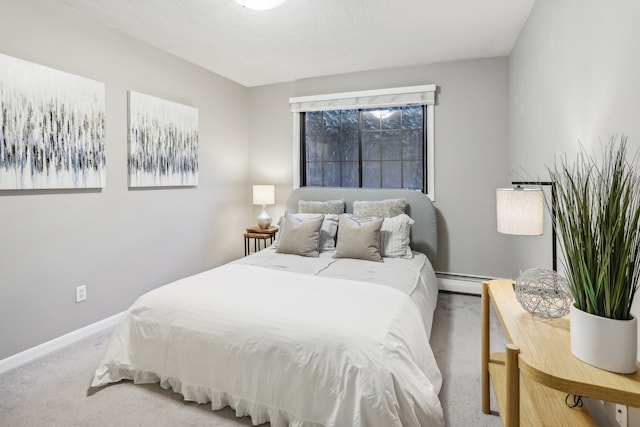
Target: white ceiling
311,38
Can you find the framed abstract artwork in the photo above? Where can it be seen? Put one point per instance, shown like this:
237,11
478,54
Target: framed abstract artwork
51,128
163,142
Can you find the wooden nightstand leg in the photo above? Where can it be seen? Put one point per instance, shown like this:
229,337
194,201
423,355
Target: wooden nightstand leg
484,315
512,411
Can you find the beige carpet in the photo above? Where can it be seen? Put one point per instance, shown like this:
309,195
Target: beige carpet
54,390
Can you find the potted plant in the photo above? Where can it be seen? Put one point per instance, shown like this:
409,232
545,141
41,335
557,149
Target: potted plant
597,217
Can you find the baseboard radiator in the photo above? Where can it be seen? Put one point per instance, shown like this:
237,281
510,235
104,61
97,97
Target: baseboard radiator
460,283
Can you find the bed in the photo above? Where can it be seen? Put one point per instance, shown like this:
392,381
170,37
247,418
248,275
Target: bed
326,339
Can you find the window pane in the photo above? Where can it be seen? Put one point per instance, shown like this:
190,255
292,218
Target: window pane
313,121
371,146
412,145
391,118
390,144
392,174
350,150
314,147
350,174
371,174
412,117
412,175
349,121
331,174
332,121
333,146
314,174
370,119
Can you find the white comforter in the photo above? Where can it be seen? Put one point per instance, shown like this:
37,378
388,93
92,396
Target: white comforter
289,348
415,277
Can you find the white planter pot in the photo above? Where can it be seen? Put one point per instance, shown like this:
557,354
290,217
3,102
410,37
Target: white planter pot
604,343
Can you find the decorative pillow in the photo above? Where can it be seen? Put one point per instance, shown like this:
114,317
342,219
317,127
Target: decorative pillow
328,231
300,237
382,209
395,237
359,239
329,207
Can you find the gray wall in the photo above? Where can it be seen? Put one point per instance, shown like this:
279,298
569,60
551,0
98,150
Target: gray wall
574,77
118,242
471,123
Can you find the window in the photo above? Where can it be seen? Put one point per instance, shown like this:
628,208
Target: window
371,148
370,139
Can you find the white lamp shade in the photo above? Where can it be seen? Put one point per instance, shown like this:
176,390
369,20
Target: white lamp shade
520,211
263,195
260,4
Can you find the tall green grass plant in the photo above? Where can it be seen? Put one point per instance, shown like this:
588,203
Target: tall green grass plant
597,217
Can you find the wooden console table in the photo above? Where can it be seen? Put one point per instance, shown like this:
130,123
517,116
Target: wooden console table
533,376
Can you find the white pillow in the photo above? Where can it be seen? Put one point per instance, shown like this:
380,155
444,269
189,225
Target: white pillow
328,231
395,237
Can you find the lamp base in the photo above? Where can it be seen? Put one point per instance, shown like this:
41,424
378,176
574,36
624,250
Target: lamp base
264,220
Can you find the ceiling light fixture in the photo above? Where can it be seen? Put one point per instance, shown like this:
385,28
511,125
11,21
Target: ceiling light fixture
260,4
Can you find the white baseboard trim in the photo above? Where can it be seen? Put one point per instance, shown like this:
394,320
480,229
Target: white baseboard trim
57,343
460,283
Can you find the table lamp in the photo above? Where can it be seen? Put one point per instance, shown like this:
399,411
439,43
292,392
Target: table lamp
264,195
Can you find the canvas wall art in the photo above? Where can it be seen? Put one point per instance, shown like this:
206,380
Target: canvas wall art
163,142
51,128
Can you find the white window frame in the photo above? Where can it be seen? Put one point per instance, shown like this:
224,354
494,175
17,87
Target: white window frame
392,97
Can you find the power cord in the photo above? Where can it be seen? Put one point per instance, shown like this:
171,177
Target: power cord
577,401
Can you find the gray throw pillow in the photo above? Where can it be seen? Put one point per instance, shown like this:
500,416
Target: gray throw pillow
328,230
328,207
383,208
359,239
300,237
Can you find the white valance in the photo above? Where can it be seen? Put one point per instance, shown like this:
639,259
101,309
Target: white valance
413,95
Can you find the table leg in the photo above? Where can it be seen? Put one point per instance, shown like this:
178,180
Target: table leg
512,411
484,315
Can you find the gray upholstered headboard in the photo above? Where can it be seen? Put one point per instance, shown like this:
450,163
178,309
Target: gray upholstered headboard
424,233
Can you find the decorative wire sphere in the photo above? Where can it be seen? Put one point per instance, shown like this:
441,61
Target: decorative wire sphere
543,293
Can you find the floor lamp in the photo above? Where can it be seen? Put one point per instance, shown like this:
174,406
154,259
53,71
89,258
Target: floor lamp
520,211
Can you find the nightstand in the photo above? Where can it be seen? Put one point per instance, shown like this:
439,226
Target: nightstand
258,235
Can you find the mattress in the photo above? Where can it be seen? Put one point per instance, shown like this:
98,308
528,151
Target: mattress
307,346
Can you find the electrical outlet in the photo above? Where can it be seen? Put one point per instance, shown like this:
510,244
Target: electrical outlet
81,293
621,415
